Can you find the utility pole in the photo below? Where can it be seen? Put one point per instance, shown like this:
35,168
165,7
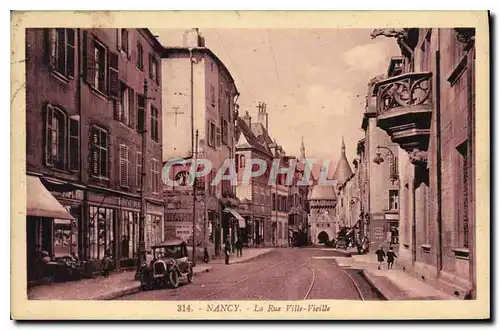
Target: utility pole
141,255
195,157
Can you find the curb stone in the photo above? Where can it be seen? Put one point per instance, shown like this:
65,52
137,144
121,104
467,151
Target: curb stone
135,289
251,258
368,278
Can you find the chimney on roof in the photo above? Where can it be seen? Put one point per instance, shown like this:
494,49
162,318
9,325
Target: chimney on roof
262,116
247,119
192,38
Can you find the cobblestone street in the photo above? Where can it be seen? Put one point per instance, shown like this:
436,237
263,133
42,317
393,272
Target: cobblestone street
283,274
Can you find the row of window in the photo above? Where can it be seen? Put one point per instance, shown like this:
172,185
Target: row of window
101,70
62,150
130,110
285,203
127,165
100,62
217,135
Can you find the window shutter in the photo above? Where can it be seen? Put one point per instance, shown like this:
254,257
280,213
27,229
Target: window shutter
70,50
132,107
124,165
49,43
150,66
94,151
139,171
118,108
74,144
114,83
158,68
119,39
89,57
218,137
141,111
49,113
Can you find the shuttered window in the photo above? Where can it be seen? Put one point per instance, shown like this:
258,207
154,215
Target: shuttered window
218,137
124,166
101,67
140,56
55,137
74,144
99,152
100,76
141,113
155,176
139,170
114,82
154,124
60,45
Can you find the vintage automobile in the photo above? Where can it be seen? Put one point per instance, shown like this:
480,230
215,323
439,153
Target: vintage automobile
341,243
169,265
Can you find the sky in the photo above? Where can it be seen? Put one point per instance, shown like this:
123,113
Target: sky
314,81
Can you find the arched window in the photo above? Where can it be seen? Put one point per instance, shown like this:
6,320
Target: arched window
55,143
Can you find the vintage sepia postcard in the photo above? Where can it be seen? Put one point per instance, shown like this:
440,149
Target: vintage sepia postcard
250,165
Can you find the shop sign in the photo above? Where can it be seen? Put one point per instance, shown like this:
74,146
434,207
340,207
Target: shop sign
75,194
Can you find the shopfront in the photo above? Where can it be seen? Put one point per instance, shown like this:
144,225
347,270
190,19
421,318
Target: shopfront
49,225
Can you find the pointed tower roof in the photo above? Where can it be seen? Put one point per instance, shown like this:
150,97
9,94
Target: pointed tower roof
343,171
302,149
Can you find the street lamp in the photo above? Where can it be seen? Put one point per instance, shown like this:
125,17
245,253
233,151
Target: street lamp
379,160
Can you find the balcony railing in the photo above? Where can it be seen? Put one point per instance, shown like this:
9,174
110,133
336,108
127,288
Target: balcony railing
406,90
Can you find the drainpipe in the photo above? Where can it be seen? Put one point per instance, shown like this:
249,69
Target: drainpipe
471,174
414,216
192,99
437,103
84,213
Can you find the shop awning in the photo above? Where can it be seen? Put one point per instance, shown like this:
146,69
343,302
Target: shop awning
41,203
241,220
59,186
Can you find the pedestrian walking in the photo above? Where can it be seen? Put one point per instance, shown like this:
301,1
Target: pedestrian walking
390,258
239,248
106,264
227,251
380,256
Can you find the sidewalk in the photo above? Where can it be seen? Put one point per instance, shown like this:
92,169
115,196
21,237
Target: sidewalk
393,284
248,254
117,285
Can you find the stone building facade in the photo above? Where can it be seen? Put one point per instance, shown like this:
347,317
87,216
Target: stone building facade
434,127
86,111
378,159
322,220
200,95
253,142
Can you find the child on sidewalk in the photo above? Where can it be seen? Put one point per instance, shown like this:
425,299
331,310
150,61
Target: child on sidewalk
380,256
390,258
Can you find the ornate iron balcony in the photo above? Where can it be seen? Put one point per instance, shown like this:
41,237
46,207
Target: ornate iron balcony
406,90
404,109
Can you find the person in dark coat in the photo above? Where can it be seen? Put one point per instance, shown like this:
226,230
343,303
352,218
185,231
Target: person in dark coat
227,251
239,248
380,256
106,264
390,258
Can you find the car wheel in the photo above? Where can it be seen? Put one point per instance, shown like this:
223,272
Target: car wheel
174,279
190,275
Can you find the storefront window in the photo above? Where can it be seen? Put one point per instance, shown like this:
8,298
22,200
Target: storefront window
153,230
101,233
129,235
63,237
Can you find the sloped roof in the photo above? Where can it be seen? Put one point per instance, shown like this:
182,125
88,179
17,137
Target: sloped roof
261,133
343,170
250,137
322,192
